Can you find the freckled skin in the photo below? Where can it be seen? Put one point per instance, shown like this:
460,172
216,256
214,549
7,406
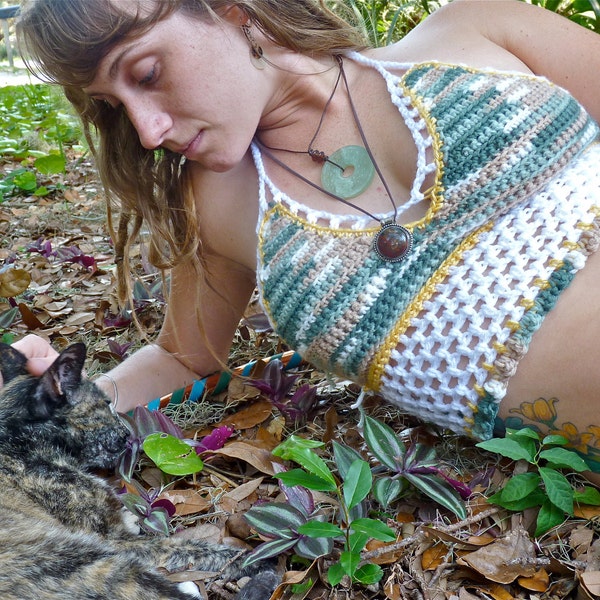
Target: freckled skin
62,536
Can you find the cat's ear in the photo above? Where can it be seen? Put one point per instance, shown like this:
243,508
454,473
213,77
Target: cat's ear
12,362
62,378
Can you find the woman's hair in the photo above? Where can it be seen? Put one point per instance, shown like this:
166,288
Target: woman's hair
64,41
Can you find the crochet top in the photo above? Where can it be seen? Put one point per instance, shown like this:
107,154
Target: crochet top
511,217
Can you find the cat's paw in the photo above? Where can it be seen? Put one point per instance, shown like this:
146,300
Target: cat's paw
189,588
260,587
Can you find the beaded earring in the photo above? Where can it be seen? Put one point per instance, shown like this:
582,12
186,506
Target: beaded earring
256,51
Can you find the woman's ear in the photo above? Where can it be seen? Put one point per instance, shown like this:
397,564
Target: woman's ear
235,15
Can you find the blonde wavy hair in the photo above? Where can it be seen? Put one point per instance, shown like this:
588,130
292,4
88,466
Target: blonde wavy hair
64,41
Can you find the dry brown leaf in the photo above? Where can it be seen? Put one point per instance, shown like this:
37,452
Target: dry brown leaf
30,320
505,559
243,491
187,502
80,318
14,282
590,584
259,458
250,416
388,558
433,557
538,583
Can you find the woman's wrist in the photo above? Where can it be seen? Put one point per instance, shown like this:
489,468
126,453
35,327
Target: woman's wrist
114,387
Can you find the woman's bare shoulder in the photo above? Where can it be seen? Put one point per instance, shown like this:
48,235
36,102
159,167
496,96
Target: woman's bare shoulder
227,207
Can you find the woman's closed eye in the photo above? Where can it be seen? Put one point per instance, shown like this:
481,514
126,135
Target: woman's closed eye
149,77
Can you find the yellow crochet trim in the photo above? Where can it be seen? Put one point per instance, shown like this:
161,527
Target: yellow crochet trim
382,357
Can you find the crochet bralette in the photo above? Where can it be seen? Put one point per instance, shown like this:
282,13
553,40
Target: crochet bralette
512,217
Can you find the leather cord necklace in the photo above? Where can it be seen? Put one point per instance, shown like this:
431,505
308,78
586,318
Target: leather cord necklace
347,173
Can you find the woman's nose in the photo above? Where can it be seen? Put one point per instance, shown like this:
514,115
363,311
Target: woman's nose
151,125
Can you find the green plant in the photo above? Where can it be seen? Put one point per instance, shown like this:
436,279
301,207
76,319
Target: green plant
296,525
584,12
36,127
543,485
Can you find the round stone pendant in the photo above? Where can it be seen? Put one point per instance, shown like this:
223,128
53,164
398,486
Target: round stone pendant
354,176
392,242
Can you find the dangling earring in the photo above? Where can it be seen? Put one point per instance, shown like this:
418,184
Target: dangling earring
256,52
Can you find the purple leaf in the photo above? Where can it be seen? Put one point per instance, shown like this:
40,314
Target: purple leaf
296,495
166,505
215,440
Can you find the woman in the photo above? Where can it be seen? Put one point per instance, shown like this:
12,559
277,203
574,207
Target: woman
424,227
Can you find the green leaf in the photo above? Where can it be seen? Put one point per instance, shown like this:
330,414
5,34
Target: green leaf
558,489
549,516
320,529
536,498
438,490
275,519
374,529
26,181
300,450
299,477
335,574
564,459
516,449
357,484
349,562
172,455
357,540
344,456
50,164
555,440
589,495
384,443
520,486
386,490
368,574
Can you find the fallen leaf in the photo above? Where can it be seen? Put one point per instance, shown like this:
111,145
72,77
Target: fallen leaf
14,282
258,457
505,559
250,416
243,491
538,583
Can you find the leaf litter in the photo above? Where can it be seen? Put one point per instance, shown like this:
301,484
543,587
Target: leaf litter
57,280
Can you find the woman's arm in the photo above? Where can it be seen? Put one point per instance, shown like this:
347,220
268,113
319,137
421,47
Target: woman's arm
546,43
183,351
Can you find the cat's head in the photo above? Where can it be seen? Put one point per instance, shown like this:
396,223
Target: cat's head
61,409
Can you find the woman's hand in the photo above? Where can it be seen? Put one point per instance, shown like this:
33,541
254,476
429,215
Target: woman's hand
39,352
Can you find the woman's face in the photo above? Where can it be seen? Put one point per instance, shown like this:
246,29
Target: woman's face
187,85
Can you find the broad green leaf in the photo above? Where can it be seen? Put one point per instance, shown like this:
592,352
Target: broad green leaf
558,489
524,432
374,529
520,486
299,477
172,455
357,541
50,164
549,516
275,519
357,484
555,440
368,574
438,490
344,456
536,498
320,529
589,495
26,181
349,562
335,574
516,449
384,443
386,490
300,450
269,549
564,459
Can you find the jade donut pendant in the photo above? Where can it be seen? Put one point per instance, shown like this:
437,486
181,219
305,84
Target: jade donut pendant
392,242
354,176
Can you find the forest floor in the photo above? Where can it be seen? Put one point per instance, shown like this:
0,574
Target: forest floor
61,243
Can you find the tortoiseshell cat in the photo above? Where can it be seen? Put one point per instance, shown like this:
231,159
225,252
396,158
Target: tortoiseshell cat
62,536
